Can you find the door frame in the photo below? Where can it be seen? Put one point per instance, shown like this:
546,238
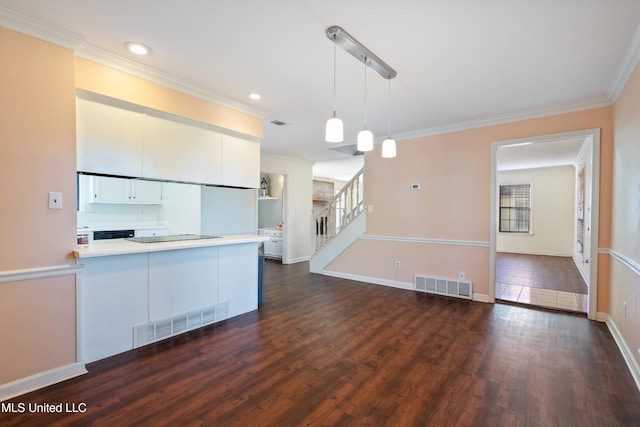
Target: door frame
595,208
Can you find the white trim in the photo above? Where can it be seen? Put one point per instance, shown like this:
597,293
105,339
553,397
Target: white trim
593,133
296,260
628,262
474,243
371,280
120,63
550,110
40,272
42,379
482,298
390,283
39,29
624,349
626,67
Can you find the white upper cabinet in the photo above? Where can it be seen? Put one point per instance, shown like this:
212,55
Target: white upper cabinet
115,141
109,139
240,162
105,189
179,152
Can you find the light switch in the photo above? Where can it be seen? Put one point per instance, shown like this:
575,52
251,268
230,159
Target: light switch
55,200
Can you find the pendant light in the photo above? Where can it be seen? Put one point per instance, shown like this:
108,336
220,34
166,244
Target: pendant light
365,137
389,145
334,129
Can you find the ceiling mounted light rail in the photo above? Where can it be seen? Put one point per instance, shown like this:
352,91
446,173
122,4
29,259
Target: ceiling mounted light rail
334,128
359,51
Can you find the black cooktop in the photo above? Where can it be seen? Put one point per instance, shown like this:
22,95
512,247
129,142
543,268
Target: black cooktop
171,238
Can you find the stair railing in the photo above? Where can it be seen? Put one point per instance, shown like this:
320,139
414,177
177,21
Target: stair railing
346,205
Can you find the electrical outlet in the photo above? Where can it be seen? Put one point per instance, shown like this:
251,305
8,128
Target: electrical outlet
397,264
370,209
461,275
55,200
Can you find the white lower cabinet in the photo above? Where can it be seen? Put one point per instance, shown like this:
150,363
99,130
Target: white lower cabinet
181,281
113,298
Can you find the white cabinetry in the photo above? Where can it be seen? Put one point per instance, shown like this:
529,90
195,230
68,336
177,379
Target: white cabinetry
273,248
120,190
178,152
238,278
109,139
181,281
240,162
115,141
113,299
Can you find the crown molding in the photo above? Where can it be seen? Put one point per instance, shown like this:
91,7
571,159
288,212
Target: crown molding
626,67
102,57
27,25
569,107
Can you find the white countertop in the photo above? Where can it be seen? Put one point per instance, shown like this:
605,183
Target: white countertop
124,247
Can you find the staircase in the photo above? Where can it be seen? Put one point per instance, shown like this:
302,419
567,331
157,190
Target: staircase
334,218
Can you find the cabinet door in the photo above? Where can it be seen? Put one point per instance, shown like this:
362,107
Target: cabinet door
109,139
149,192
269,248
110,190
179,152
278,247
240,162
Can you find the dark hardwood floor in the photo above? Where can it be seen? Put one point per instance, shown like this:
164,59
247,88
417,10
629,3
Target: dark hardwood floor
323,351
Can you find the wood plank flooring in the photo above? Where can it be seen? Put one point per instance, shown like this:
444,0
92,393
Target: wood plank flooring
539,271
323,351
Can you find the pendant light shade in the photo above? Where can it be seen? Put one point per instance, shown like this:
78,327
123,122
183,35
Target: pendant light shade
334,131
388,148
365,140
389,145
365,137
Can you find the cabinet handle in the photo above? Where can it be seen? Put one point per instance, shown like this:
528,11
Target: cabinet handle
95,196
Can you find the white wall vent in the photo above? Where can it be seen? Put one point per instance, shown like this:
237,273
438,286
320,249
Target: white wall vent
147,333
442,286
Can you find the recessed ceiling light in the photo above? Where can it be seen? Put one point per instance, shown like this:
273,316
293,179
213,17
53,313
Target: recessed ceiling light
137,48
255,96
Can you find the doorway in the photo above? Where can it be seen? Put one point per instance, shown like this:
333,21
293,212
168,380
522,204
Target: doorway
271,215
516,181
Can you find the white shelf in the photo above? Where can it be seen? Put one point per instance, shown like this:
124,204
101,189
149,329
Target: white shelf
267,198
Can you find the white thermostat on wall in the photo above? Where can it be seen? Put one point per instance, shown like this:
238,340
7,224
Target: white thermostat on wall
415,187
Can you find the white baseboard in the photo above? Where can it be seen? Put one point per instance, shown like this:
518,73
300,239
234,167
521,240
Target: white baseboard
42,379
296,260
481,298
624,348
371,280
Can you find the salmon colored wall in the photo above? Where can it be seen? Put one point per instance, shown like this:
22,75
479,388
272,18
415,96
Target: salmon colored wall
117,84
37,155
454,171
625,245
37,152
37,326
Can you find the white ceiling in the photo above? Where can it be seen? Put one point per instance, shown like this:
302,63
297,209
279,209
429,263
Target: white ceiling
460,64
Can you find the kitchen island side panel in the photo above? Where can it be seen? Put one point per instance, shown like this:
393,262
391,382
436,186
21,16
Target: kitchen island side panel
114,297
238,278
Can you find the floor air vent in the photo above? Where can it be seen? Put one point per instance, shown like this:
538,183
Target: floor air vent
442,286
164,328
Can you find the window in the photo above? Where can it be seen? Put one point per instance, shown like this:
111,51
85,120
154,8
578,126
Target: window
515,208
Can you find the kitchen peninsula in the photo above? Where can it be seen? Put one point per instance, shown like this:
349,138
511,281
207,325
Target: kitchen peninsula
133,293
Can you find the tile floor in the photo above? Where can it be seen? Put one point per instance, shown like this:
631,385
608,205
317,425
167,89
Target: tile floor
543,297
